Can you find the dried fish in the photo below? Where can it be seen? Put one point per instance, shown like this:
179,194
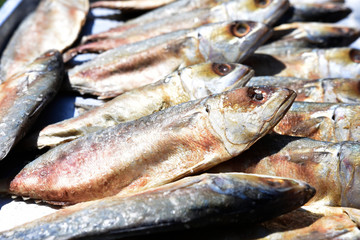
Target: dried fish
131,66
54,25
151,151
24,95
189,203
190,83
331,168
331,90
130,4
230,10
311,35
322,121
306,63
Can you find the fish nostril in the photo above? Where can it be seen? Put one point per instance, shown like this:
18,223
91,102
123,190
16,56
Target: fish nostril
240,29
222,69
256,94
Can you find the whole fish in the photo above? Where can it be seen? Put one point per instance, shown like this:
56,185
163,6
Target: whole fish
131,66
322,121
130,4
331,168
306,63
333,90
315,12
207,199
54,25
156,149
229,10
25,94
190,83
311,35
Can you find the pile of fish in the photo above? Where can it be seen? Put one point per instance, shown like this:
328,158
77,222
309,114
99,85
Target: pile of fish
222,113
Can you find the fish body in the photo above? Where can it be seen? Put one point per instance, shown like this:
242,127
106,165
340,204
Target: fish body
306,63
156,149
207,199
130,66
330,90
331,168
230,10
130,4
311,35
55,24
25,94
322,121
190,83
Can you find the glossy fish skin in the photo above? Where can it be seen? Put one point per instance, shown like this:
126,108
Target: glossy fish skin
54,25
188,203
190,83
156,149
331,90
130,4
24,95
229,10
306,63
322,121
331,168
311,35
131,66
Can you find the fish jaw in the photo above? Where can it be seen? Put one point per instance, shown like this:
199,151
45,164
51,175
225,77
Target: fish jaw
232,41
245,116
218,77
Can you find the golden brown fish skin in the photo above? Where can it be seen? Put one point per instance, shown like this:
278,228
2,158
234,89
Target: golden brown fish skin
331,90
221,11
24,95
331,168
321,121
130,4
131,66
306,63
232,197
186,84
54,25
151,151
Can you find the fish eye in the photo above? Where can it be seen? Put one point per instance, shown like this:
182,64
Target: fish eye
222,69
240,29
262,3
355,55
256,94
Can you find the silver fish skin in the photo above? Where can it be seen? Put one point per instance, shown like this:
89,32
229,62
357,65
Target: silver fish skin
24,95
331,168
331,122
306,63
207,199
131,66
55,24
190,83
156,149
130,4
331,90
230,10
311,35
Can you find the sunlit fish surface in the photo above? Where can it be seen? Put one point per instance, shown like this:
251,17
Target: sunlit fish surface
306,63
230,10
151,151
130,4
322,121
190,83
331,168
54,25
333,90
24,95
131,66
207,199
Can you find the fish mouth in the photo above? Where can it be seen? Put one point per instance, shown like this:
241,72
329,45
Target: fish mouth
242,78
281,8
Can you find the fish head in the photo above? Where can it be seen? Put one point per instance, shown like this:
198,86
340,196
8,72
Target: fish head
208,78
265,11
341,62
231,41
244,115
